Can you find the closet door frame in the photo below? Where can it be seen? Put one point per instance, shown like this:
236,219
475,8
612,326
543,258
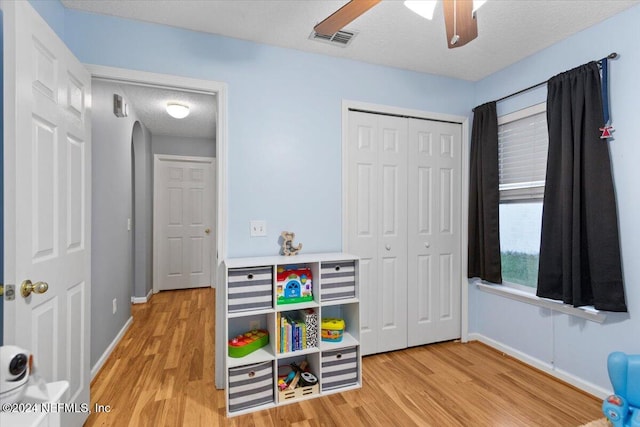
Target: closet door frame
464,202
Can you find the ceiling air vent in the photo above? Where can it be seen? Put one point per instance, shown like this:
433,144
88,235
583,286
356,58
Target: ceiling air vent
342,38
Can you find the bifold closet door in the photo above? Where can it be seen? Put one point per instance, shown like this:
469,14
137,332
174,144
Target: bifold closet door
434,182
377,226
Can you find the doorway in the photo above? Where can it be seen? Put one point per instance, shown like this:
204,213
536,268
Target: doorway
183,219
199,87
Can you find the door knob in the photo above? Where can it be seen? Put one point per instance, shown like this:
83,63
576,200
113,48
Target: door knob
427,244
388,247
207,230
27,287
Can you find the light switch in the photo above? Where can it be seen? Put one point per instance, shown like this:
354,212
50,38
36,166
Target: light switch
258,228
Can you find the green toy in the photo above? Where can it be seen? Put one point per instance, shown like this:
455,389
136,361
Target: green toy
248,342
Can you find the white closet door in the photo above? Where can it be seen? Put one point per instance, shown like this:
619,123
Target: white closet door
362,222
435,163
377,227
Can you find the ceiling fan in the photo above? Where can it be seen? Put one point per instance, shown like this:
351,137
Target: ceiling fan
459,17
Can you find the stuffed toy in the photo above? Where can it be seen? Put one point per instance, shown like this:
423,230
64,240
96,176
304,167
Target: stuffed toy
287,244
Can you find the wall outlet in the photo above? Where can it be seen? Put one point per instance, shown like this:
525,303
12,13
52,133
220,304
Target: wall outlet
254,324
128,224
258,228
115,305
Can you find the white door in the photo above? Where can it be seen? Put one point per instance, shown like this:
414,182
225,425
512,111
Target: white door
48,200
377,227
435,163
183,221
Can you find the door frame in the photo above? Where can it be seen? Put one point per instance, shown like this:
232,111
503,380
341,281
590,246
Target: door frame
219,89
464,194
157,158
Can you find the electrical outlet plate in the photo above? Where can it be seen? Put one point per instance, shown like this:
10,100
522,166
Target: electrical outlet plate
258,228
115,305
254,324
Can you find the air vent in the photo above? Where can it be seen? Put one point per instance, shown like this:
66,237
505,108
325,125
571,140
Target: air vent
342,38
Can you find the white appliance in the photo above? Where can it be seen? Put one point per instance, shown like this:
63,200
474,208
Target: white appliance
14,373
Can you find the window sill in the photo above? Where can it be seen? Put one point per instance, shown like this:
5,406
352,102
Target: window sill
588,313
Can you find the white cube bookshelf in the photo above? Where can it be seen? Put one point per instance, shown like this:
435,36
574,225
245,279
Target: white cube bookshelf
336,364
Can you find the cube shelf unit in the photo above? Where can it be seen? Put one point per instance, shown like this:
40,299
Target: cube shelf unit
251,303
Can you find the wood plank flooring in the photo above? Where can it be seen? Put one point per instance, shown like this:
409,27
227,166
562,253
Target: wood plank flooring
161,374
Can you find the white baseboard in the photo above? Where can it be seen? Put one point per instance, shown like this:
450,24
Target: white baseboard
548,368
142,300
96,368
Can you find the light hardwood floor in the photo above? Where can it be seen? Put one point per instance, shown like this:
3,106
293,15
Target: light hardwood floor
161,374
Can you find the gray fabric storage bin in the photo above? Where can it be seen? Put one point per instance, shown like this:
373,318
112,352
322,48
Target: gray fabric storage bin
250,385
339,368
250,288
338,280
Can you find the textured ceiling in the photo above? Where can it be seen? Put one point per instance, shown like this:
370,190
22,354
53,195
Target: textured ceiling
149,104
389,34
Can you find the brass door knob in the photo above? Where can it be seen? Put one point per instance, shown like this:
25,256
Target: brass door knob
207,230
27,287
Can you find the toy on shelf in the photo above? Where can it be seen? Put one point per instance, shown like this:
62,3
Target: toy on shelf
332,329
294,285
298,383
622,409
248,342
287,244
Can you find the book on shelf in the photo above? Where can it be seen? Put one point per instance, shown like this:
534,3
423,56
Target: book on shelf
297,330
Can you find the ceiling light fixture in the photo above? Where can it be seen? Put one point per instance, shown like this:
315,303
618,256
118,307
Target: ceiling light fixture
425,8
178,111
477,4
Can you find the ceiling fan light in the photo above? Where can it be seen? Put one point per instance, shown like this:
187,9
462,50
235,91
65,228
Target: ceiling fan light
424,8
177,111
477,4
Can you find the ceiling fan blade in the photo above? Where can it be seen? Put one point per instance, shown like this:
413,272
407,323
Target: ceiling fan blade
466,24
343,16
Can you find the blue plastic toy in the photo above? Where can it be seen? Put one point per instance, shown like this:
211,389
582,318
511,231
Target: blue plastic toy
294,285
623,407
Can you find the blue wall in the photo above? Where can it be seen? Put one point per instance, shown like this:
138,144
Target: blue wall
284,117
571,346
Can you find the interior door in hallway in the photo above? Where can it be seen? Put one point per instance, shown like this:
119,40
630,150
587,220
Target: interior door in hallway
377,228
183,221
48,202
434,184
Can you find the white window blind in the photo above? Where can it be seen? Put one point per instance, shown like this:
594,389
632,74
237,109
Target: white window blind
522,155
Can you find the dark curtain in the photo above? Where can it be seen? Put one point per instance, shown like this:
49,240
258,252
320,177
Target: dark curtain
579,248
484,197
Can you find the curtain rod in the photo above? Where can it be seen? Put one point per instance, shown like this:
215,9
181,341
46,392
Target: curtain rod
612,55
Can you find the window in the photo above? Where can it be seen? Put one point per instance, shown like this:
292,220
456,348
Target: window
522,159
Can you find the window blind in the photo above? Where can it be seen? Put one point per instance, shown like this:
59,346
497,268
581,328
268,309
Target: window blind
522,157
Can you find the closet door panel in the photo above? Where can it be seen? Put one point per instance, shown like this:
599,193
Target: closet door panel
392,238
362,219
434,216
